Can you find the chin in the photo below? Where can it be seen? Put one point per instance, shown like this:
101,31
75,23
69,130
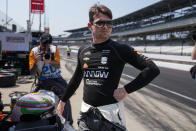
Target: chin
102,37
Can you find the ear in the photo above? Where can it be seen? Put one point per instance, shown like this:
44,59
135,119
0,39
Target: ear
89,26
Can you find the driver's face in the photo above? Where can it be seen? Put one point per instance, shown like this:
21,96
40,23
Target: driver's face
101,33
45,47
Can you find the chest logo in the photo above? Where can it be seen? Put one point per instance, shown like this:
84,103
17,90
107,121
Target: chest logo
85,58
104,60
85,65
138,53
87,53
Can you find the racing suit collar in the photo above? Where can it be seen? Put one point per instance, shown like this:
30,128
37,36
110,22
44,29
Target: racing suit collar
101,44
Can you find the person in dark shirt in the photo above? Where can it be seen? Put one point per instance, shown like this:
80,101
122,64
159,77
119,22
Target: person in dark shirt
100,65
193,55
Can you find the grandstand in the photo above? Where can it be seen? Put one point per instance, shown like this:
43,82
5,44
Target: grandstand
163,27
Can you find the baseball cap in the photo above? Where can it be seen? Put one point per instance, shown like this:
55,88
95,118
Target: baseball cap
46,38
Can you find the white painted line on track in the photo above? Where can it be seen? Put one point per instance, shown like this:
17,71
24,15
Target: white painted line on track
161,88
70,60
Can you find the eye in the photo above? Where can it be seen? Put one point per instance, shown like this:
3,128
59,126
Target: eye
102,23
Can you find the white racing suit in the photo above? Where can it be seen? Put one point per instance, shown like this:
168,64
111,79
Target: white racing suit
113,113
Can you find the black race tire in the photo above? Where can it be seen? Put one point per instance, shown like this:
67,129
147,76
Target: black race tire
12,70
7,79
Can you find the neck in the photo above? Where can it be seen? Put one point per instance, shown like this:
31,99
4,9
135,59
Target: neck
98,41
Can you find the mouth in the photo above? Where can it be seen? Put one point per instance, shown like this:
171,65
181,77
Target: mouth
104,31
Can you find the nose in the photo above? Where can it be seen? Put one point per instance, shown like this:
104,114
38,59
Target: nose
105,26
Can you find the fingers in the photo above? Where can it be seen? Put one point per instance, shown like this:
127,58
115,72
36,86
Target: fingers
120,94
46,61
60,107
38,57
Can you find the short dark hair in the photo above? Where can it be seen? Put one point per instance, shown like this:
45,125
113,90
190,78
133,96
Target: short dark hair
96,9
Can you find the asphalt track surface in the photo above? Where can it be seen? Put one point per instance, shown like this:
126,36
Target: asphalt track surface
174,84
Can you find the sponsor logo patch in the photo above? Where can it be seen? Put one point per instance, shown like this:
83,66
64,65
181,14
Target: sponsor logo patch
104,60
86,58
96,74
87,53
106,51
102,67
85,65
138,53
92,82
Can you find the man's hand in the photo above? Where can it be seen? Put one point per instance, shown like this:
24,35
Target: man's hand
60,107
38,58
47,61
120,94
